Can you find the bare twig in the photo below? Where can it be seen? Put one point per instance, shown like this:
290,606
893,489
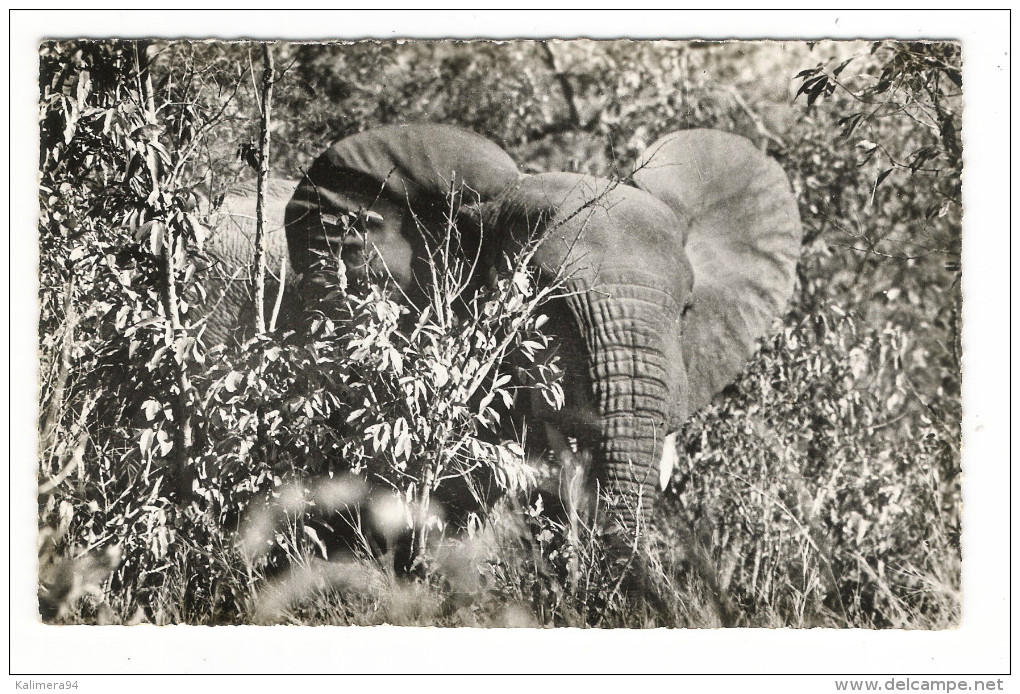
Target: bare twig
279,294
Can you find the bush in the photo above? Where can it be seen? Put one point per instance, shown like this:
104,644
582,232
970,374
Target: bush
814,513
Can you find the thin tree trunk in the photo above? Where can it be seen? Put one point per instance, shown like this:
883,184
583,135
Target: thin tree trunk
142,65
565,86
260,222
421,514
170,297
54,409
183,436
259,261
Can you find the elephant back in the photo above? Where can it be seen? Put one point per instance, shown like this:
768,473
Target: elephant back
231,248
417,166
743,234
424,161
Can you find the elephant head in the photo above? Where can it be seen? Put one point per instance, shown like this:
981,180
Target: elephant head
670,282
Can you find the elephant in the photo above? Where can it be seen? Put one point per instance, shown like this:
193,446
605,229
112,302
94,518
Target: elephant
227,280
671,277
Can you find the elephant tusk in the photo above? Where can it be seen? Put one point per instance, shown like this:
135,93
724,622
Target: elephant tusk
669,460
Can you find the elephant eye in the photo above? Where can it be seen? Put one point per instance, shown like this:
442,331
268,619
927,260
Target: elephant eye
686,309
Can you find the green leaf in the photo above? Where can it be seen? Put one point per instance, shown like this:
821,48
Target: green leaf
157,356
842,66
84,86
440,375
232,381
71,120
508,399
198,231
151,408
157,234
166,444
485,403
145,441
314,537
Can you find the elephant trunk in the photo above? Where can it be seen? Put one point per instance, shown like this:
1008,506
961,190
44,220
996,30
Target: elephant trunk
629,332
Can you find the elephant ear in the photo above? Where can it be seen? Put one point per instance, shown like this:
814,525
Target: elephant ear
413,165
743,236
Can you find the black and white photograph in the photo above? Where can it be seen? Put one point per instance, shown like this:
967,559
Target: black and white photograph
503,333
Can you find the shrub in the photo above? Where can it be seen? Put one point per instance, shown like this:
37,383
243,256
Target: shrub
812,510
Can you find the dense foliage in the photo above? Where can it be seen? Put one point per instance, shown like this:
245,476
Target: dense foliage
823,489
